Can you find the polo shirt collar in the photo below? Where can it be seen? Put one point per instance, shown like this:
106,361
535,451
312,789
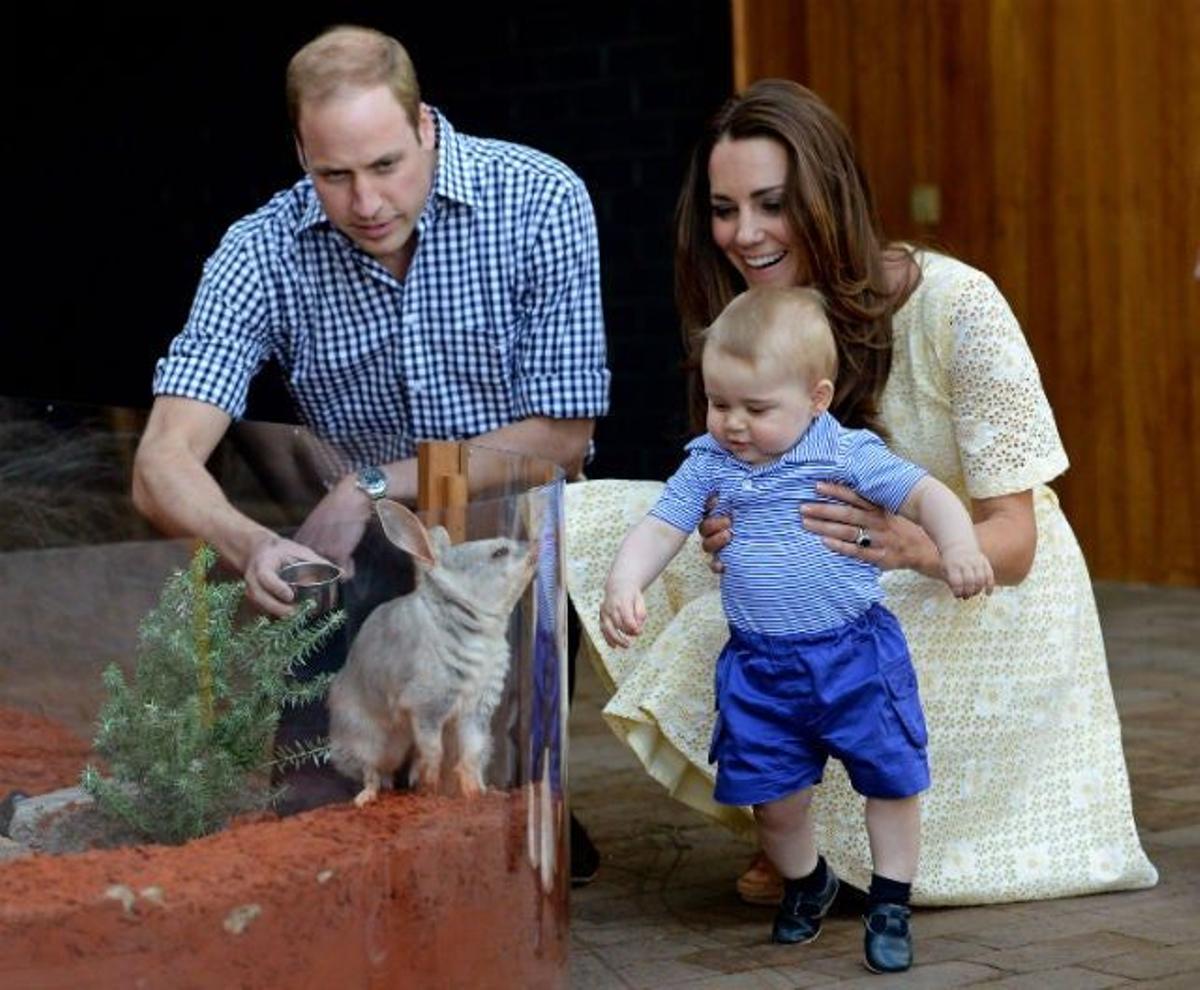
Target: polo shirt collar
818,445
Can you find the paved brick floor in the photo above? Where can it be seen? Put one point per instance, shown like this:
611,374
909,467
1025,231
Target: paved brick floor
662,912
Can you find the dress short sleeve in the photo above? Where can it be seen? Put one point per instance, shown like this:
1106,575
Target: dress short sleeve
1002,421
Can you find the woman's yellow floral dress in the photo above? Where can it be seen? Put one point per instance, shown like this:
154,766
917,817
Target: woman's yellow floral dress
1030,796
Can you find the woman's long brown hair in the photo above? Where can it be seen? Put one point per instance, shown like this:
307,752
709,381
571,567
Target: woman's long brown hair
828,203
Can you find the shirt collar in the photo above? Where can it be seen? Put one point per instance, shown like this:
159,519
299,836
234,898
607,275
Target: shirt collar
453,175
819,443
314,213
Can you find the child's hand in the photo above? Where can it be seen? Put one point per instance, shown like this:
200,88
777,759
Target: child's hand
967,571
622,614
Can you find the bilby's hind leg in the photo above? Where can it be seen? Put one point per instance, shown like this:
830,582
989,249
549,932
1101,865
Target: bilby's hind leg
370,791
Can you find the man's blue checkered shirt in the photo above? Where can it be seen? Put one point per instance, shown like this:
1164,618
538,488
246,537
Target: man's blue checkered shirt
498,318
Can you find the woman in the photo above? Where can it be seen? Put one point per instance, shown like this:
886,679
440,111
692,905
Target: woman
1030,796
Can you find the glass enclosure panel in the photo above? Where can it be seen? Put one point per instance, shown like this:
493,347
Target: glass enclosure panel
214,842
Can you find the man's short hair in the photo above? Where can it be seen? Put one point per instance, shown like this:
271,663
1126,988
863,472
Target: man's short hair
351,57
787,327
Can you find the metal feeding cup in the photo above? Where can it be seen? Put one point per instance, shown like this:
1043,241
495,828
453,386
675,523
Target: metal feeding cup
313,581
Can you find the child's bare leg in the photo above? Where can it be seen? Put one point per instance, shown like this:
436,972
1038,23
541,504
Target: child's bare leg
809,886
894,828
785,832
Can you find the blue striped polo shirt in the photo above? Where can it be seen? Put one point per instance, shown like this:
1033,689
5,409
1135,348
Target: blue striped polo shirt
779,578
497,319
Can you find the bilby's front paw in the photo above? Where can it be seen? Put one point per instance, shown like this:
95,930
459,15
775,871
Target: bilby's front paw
366,796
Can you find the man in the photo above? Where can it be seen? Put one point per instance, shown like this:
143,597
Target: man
417,282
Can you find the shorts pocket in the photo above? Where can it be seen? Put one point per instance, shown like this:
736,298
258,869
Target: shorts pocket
901,681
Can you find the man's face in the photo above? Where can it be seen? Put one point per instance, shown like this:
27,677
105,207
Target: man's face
371,170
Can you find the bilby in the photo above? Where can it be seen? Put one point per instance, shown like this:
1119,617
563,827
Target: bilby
429,660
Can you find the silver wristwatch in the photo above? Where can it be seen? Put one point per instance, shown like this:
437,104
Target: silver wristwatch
372,482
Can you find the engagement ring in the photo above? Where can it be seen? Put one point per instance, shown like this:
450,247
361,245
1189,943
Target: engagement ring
863,539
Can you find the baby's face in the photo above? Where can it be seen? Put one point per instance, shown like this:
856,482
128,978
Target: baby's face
756,413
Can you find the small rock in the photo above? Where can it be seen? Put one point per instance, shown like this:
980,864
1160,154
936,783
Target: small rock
126,897
154,895
238,920
7,807
66,820
325,876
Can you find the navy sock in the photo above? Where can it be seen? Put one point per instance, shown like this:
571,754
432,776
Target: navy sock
813,883
886,891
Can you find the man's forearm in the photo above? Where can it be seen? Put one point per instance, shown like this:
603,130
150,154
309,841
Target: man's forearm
561,441
181,498
173,489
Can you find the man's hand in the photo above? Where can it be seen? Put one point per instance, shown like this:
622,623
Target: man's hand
336,524
264,587
622,614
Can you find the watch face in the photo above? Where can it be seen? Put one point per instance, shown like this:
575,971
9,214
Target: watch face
372,481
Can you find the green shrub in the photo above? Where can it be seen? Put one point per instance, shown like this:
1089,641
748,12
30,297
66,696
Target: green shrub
189,741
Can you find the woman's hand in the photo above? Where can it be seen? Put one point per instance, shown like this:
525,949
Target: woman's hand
715,534
854,527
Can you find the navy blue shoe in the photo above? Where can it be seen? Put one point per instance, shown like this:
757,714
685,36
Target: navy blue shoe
798,919
887,943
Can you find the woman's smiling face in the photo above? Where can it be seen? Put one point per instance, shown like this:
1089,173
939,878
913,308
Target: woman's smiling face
747,178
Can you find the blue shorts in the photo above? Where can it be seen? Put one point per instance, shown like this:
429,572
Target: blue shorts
785,704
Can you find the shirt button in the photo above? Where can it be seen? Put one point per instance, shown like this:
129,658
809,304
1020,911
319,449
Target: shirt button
747,485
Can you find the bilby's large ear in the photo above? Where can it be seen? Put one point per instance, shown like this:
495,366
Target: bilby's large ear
439,539
406,531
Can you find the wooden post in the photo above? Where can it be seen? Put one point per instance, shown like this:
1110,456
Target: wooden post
442,485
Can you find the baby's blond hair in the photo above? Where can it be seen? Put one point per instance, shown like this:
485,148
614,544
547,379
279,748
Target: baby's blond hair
784,327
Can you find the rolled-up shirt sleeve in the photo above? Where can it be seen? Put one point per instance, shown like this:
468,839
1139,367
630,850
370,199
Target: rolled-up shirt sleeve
560,361
224,342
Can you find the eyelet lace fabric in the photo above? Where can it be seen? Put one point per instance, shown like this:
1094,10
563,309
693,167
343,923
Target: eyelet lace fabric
1030,795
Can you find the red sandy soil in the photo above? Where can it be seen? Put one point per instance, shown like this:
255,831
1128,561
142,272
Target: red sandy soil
37,754
412,891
